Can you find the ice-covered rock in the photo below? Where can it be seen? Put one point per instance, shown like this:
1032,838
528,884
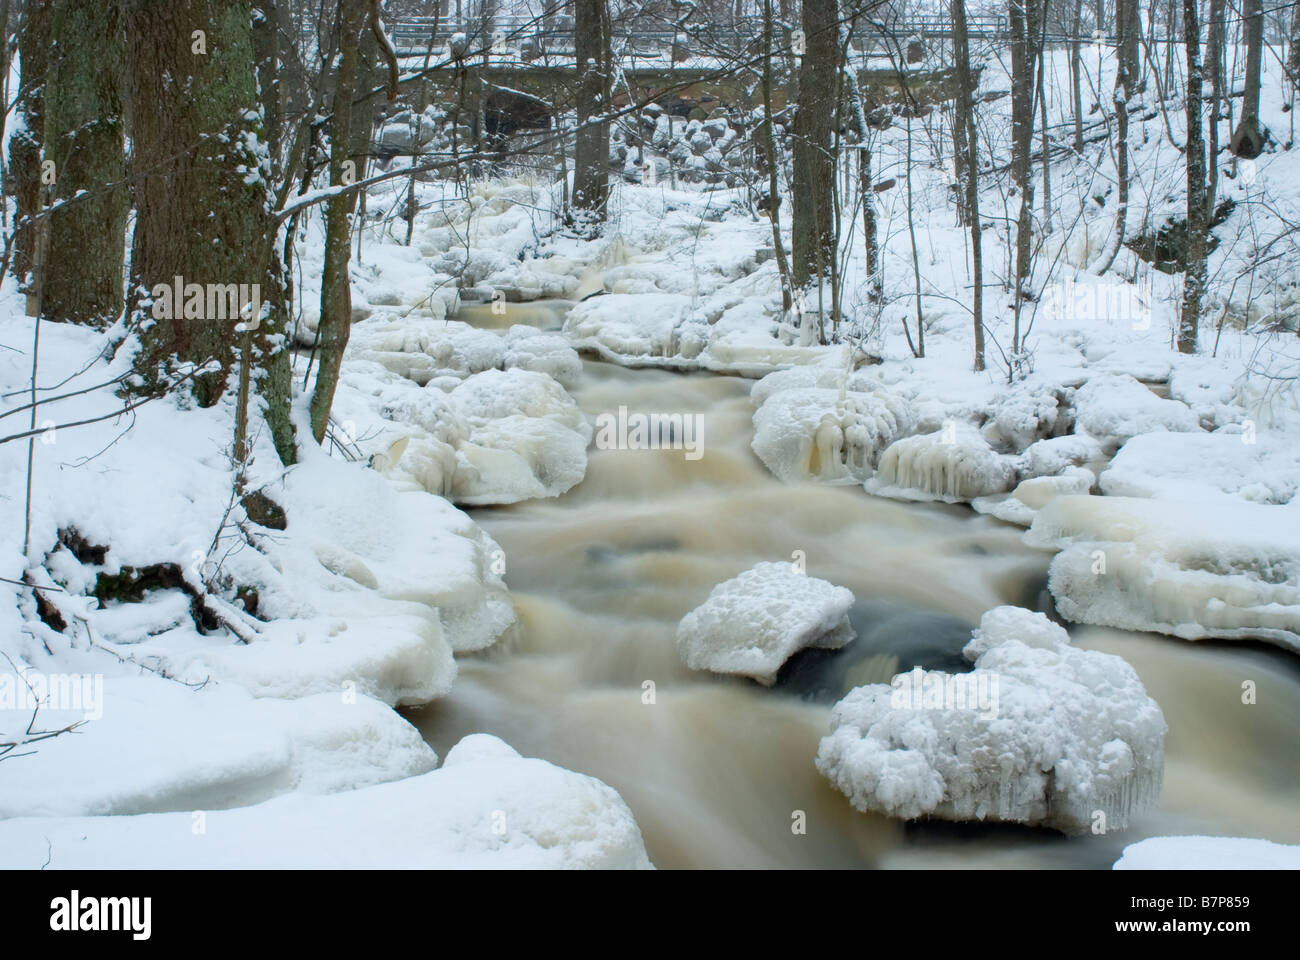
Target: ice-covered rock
953,464
485,807
819,433
1208,853
1055,455
1205,467
641,326
421,349
1039,732
1114,408
1232,571
750,625
1025,414
497,436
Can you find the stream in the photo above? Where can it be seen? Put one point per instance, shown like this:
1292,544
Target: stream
715,768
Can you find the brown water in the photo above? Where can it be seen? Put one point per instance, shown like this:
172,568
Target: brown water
715,769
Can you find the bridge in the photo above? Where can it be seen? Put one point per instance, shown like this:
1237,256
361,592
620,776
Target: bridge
532,38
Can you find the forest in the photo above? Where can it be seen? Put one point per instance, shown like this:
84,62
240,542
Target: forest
649,433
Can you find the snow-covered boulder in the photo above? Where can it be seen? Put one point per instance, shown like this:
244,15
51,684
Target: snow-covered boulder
953,464
827,376
640,326
1261,468
485,807
819,433
1208,853
1039,732
1024,414
528,438
1172,567
750,625
1114,408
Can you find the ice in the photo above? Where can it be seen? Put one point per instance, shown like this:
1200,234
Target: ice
1208,853
1209,467
750,625
1039,732
814,432
1231,572
953,464
1032,494
491,808
1114,408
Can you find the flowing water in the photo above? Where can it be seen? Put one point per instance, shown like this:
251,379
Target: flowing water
715,769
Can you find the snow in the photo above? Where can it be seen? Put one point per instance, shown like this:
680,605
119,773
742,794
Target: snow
753,623
1205,467
1231,572
219,747
814,432
1208,853
1114,408
1039,732
486,807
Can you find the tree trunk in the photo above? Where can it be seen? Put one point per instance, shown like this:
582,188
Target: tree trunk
1120,95
1214,70
767,139
1248,139
970,182
336,287
1076,77
1293,53
813,233
196,124
82,275
1025,28
270,345
1197,221
591,151
28,136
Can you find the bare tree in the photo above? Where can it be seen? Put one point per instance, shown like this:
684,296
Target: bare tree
968,168
1025,21
592,40
336,288
1197,218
